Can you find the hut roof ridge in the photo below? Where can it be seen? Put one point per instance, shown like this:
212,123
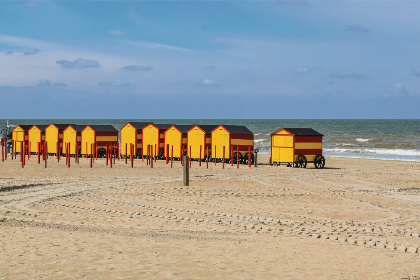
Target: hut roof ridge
303,131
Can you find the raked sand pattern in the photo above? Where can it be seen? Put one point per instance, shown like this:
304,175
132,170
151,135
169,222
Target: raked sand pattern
355,219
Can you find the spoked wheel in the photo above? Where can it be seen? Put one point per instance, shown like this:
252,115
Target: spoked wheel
319,162
246,158
101,152
235,158
300,162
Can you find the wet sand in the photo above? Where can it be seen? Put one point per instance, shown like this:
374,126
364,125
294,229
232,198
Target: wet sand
355,219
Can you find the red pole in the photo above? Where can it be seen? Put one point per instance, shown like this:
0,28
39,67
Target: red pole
77,152
147,155
126,154
107,153
237,156
69,153
24,150
231,155
249,157
207,151
111,156
190,156
199,160
45,150
132,156
223,160
151,153
39,152
118,151
91,156
172,157
21,153
115,152
57,152
215,155
15,148
155,153
167,153
2,150
29,150
182,155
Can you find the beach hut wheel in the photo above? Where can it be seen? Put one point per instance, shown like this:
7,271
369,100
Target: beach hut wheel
234,158
301,162
101,152
319,162
245,159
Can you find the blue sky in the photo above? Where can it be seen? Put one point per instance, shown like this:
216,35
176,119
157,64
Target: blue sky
210,59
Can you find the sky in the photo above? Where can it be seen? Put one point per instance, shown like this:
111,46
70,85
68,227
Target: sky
210,59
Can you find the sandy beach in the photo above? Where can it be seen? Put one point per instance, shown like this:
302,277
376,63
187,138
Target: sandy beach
355,219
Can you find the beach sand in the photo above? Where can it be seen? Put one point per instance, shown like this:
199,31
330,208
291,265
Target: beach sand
355,219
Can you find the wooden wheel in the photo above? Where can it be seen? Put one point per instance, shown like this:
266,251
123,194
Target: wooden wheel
246,157
235,157
319,162
301,162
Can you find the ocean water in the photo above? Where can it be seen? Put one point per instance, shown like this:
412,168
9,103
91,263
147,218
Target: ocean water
380,139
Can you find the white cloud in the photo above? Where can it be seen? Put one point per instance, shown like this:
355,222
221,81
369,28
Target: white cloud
152,45
116,33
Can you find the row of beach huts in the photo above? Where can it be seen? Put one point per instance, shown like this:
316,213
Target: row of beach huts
140,139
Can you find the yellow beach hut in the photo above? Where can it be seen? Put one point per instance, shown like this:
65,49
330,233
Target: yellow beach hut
20,134
72,135
176,140
199,136
98,137
36,134
154,135
131,134
227,137
54,135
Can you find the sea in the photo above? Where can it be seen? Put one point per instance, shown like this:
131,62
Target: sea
373,138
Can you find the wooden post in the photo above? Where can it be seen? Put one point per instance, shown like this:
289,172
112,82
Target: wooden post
182,155
118,151
223,160
249,157
14,149
155,153
199,161
91,155
237,156
85,150
172,157
2,150
186,172
126,154
57,153
29,150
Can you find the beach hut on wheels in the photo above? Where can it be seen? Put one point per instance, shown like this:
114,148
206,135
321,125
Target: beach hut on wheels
98,137
131,134
176,140
54,137
297,147
72,135
154,135
199,141
19,135
36,134
235,140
